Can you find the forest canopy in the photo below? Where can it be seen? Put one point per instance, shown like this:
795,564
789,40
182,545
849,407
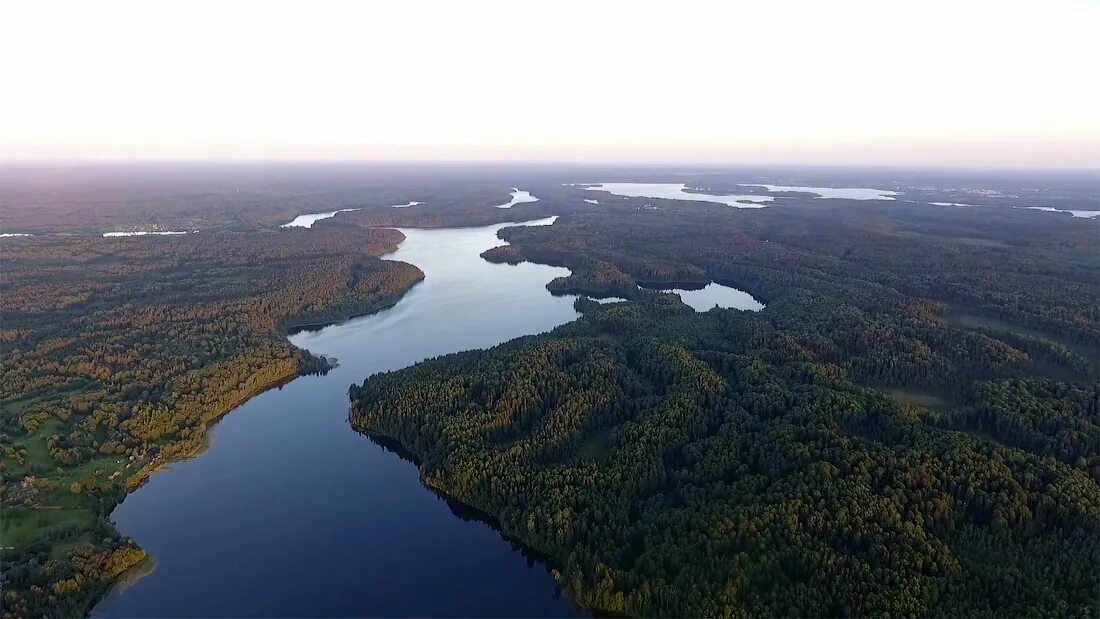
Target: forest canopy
908,428
118,354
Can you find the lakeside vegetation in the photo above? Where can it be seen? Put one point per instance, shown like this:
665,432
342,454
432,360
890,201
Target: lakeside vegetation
781,462
117,356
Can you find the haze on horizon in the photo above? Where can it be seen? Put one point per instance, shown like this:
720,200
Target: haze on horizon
980,83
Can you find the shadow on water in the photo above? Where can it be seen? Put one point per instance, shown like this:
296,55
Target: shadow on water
465,512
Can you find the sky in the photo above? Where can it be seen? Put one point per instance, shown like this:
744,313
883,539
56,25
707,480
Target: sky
948,83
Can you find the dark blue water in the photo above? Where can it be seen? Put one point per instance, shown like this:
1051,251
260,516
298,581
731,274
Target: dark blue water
291,513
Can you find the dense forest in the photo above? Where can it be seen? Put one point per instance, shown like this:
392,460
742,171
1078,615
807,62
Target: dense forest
908,428
117,355
90,198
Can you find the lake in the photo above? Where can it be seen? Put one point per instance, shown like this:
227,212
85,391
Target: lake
307,220
847,193
1050,209
677,191
518,197
704,298
143,233
292,513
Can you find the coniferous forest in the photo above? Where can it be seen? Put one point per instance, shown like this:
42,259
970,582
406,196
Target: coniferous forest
910,427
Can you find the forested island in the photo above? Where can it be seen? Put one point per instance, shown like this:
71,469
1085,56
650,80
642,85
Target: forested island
910,427
118,355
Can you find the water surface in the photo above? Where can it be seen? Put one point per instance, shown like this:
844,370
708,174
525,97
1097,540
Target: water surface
848,193
1051,209
144,233
291,513
714,294
307,220
677,191
518,197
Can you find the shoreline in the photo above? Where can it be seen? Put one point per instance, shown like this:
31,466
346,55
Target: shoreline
466,511
203,443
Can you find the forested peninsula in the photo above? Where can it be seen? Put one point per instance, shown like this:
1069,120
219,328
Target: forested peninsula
910,427
119,353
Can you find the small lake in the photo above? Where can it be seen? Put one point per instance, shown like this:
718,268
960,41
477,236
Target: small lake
1051,209
307,221
847,193
518,197
290,513
143,233
677,191
713,294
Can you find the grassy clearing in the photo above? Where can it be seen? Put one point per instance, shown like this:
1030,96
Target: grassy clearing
24,524
16,406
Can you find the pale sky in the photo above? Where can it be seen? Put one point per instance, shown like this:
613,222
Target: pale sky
995,83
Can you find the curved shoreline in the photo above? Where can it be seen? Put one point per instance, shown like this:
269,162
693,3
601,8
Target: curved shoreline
474,513
162,543
203,441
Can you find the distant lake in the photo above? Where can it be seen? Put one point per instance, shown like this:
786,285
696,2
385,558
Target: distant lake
680,191
518,197
307,221
290,513
677,191
847,193
707,297
143,233
1050,209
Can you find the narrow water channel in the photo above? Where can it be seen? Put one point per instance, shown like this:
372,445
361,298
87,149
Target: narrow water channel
291,513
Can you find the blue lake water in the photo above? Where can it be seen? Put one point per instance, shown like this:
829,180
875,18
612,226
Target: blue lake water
292,513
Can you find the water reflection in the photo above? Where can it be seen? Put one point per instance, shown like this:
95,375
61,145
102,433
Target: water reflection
291,513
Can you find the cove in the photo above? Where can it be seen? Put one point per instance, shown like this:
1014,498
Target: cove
292,513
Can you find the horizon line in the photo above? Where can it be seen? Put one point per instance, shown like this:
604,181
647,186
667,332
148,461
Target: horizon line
104,161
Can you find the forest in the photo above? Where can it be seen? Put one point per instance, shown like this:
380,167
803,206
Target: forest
119,353
908,428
